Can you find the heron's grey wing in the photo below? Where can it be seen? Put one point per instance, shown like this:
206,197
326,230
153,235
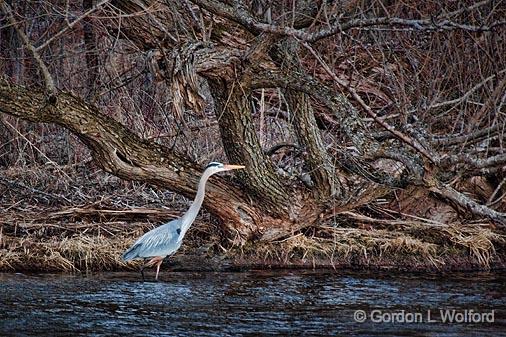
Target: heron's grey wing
160,241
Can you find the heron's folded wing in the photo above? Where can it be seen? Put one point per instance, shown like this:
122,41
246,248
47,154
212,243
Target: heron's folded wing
161,241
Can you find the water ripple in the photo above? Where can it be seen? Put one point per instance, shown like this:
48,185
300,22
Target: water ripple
252,303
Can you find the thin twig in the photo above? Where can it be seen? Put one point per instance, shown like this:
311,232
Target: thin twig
490,200
48,79
469,138
37,149
467,94
240,15
401,136
14,184
71,25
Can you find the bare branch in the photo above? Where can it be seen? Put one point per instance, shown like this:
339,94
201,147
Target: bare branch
243,17
491,200
71,25
467,94
473,163
399,135
48,79
467,203
15,184
471,138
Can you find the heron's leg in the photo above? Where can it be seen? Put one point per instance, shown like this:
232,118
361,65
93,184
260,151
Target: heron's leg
157,260
158,268
142,270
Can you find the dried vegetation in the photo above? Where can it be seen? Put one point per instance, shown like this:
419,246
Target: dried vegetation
47,223
410,247
53,225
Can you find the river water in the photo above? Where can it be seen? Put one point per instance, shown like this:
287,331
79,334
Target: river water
253,303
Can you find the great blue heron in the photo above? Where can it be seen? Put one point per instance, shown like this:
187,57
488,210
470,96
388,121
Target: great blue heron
166,239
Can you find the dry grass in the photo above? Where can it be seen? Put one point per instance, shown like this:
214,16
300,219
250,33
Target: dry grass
432,248
90,251
79,253
479,241
48,224
52,226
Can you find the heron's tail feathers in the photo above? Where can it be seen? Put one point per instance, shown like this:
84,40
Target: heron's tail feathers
131,253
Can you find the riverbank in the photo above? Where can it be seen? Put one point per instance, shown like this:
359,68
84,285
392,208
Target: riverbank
102,252
47,225
92,247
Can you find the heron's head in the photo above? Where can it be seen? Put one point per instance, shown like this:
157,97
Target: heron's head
216,167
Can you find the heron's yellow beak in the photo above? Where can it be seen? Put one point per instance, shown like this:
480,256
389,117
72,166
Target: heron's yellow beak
233,167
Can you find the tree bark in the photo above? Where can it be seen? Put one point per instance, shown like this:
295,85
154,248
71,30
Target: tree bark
241,144
307,132
119,151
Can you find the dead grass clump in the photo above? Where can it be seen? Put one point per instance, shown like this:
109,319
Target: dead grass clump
479,241
73,254
9,259
93,252
406,245
428,246
28,253
347,244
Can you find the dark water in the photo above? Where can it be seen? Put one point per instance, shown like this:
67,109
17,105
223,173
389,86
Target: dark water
251,303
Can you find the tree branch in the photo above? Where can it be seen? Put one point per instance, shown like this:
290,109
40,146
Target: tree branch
48,79
473,163
467,94
119,151
471,138
242,145
321,168
244,18
399,135
467,203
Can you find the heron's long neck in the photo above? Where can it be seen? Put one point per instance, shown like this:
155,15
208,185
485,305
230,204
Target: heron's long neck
192,212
